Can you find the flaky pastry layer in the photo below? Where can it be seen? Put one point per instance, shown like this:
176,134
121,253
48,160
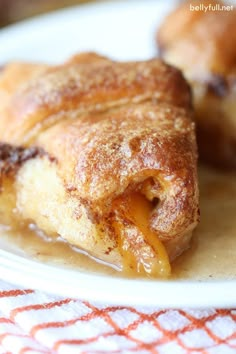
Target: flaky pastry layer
111,141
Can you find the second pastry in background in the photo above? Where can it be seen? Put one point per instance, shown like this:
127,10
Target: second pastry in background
200,39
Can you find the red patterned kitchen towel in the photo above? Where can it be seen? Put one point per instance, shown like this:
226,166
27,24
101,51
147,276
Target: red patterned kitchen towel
35,322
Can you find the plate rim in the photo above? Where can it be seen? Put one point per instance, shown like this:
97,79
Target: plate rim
160,293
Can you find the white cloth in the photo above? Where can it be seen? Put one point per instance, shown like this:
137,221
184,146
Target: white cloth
35,322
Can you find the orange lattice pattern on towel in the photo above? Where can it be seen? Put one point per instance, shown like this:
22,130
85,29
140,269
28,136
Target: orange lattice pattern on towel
36,322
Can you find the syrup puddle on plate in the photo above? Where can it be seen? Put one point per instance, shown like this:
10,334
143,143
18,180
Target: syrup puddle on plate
213,251
212,254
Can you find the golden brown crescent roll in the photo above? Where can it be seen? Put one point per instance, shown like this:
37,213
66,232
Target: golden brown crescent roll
102,154
203,45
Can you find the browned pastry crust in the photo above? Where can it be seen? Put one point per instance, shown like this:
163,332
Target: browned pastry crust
85,87
203,45
107,132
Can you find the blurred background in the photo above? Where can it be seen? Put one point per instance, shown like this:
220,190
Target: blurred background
16,10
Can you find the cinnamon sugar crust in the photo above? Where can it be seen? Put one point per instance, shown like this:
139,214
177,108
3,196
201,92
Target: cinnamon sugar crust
114,129
136,142
95,85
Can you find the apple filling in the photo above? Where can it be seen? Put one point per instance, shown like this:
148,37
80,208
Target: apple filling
140,247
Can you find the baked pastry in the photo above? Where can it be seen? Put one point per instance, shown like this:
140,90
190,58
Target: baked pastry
203,45
102,154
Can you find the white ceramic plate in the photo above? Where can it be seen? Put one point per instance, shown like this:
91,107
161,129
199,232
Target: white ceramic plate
123,30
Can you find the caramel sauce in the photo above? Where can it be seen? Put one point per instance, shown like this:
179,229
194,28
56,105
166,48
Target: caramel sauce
212,254
34,244
213,251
